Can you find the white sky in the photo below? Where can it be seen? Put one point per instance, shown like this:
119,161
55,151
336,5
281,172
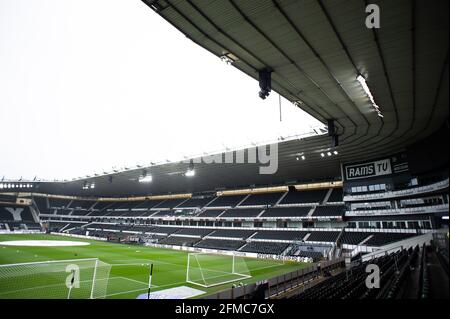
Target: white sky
90,85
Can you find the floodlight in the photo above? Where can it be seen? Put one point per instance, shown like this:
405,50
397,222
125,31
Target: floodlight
190,173
145,179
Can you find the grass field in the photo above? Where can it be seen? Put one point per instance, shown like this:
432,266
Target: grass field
129,271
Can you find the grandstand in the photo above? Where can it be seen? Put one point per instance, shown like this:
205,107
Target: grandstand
371,189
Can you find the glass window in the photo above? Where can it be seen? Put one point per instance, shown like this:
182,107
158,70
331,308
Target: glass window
401,225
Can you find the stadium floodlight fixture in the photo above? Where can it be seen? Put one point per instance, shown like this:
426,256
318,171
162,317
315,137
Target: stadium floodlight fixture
322,154
228,58
303,157
145,179
329,153
297,158
87,185
298,103
190,172
1,185
335,152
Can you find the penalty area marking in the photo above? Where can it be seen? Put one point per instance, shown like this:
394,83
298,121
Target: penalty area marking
43,243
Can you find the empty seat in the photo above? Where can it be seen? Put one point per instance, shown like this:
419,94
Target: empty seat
211,213
244,213
225,201
232,233
194,231
83,204
265,247
179,241
170,203
196,202
337,211
220,244
305,196
42,205
354,238
261,199
336,195
381,239
280,235
58,202
325,236
286,212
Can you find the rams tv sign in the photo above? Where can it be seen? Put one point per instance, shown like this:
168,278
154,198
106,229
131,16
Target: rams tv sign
369,169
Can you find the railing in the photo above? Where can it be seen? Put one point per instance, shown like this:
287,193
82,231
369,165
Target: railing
276,286
409,210
399,193
400,245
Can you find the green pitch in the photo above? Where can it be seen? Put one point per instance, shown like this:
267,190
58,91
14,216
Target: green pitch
129,272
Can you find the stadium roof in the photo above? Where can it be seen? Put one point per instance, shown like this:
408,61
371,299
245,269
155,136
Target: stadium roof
170,177
316,50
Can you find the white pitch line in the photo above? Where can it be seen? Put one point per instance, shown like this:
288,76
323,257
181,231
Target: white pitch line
128,264
81,281
125,292
48,286
149,260
176,283
140,282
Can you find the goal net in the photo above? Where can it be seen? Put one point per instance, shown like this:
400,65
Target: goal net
59,279
208,270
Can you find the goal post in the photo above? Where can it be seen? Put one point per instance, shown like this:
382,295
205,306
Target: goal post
56,279
209,270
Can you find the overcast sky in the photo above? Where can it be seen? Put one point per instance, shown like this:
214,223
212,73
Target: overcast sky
90,85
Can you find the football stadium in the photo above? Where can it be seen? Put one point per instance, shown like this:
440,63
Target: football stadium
354,206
